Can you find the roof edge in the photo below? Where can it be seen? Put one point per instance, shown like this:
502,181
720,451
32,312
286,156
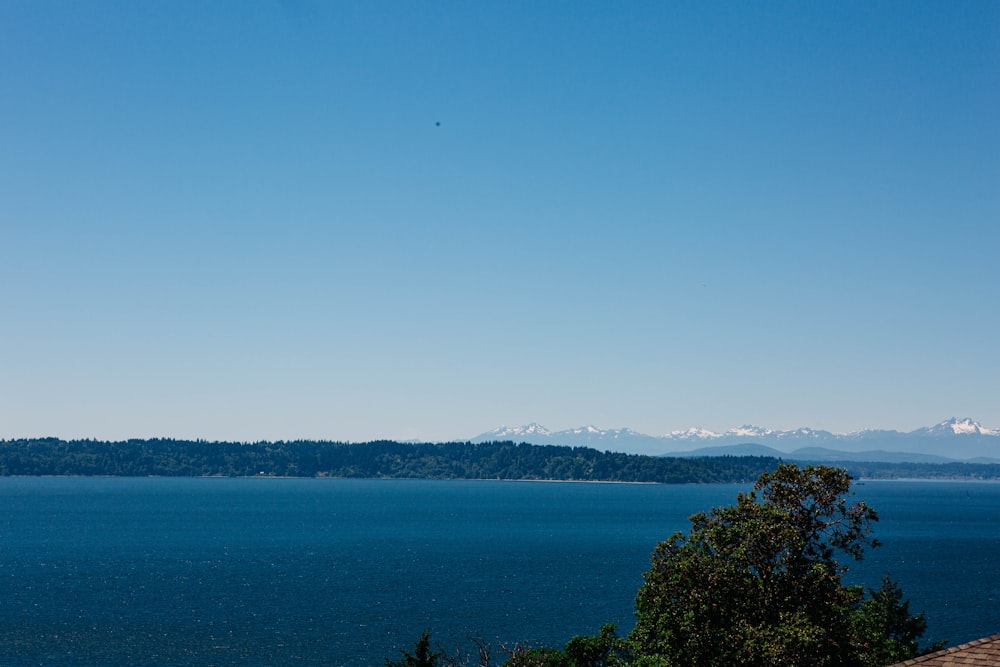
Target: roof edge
947,651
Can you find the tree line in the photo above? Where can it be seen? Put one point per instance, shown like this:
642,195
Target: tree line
378,459
391,459
905,470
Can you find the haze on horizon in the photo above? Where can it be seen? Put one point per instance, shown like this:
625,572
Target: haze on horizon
278,220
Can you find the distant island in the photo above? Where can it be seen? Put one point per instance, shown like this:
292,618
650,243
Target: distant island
503,460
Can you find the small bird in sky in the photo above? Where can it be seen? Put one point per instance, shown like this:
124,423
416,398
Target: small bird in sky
437,124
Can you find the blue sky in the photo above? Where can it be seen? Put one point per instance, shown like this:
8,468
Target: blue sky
423,220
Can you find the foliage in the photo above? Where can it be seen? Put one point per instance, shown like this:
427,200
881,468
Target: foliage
758,583
384,458
886,630
536,657
906,470
422,655
606,649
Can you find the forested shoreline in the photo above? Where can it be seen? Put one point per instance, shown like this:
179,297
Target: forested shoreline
505,460
377,459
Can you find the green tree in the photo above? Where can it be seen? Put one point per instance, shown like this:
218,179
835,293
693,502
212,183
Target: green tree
758,583
422,655
886,630
605,649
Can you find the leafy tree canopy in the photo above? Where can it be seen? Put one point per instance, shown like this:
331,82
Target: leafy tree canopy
422,655
758,583
606,649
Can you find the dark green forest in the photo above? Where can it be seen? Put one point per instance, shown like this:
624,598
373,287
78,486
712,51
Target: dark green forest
379,459
389,459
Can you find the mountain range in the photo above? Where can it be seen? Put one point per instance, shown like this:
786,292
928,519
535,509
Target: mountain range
951,440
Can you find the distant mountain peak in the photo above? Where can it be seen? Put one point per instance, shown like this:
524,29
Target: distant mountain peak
749,431
964,426
518,431
693,432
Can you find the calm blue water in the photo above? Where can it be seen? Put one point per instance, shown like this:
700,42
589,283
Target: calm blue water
343,572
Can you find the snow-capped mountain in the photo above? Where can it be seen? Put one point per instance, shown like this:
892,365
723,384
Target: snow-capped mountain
692,433
952,439
604,434
509,432
955,426
748,431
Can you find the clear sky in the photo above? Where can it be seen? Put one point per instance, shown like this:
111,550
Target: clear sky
357,220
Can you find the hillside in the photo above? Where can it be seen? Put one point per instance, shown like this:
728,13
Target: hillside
504,460
379,459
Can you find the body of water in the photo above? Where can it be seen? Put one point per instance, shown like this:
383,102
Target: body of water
158,571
